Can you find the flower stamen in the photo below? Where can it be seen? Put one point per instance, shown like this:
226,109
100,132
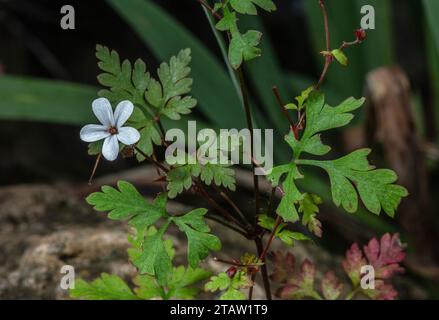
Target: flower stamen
112,130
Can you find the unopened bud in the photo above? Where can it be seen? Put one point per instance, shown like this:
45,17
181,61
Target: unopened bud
231,272
361,35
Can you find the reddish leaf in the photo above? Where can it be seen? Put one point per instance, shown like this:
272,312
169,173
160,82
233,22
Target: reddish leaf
315,226
283,266
382,291
331,286
287,291
309,206
302,286
353,263
385,255
307,274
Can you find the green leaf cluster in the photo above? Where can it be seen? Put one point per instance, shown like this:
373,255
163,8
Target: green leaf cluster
351,177
300,100
243,46
150,254
153,98
181,282
291,193
309,207
182,177
231,287
107,287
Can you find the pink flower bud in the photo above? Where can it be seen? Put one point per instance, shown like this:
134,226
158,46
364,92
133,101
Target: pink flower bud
361,35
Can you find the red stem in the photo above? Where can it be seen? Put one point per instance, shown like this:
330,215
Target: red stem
282,107
208,7
328,59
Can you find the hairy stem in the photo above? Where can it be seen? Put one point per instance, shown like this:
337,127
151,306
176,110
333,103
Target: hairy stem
155,162
353,293
328,59
232,204
208,7
271,200
163,132
95,167
250,290
233,263
159,173
281,105
264,252
204,193
227,225
264,271
249,119
218,207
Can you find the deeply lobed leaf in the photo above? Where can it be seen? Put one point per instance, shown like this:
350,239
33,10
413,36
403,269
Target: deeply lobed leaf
249,6
319,118
384,256
287,209
181,177
107,287
331,286
295,286
231,286
375,187
179,286
154,258
128,203
152,98
243,46
308,205
200,241
124,81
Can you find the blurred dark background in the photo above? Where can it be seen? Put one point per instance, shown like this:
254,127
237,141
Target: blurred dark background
396,69
33,44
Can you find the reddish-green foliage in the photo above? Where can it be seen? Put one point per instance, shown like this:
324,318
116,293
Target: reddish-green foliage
384,255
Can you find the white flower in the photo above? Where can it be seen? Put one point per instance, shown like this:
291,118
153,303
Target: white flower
111,128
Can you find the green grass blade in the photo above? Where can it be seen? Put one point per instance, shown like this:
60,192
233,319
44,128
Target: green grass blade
431,10
34,99
432,42
224,52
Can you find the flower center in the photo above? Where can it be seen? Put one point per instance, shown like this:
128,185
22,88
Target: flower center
112,130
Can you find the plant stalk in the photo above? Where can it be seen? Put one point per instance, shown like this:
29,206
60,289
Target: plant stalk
264,270
246,102
328,59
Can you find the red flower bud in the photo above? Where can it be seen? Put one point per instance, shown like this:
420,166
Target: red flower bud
361,35
231,272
